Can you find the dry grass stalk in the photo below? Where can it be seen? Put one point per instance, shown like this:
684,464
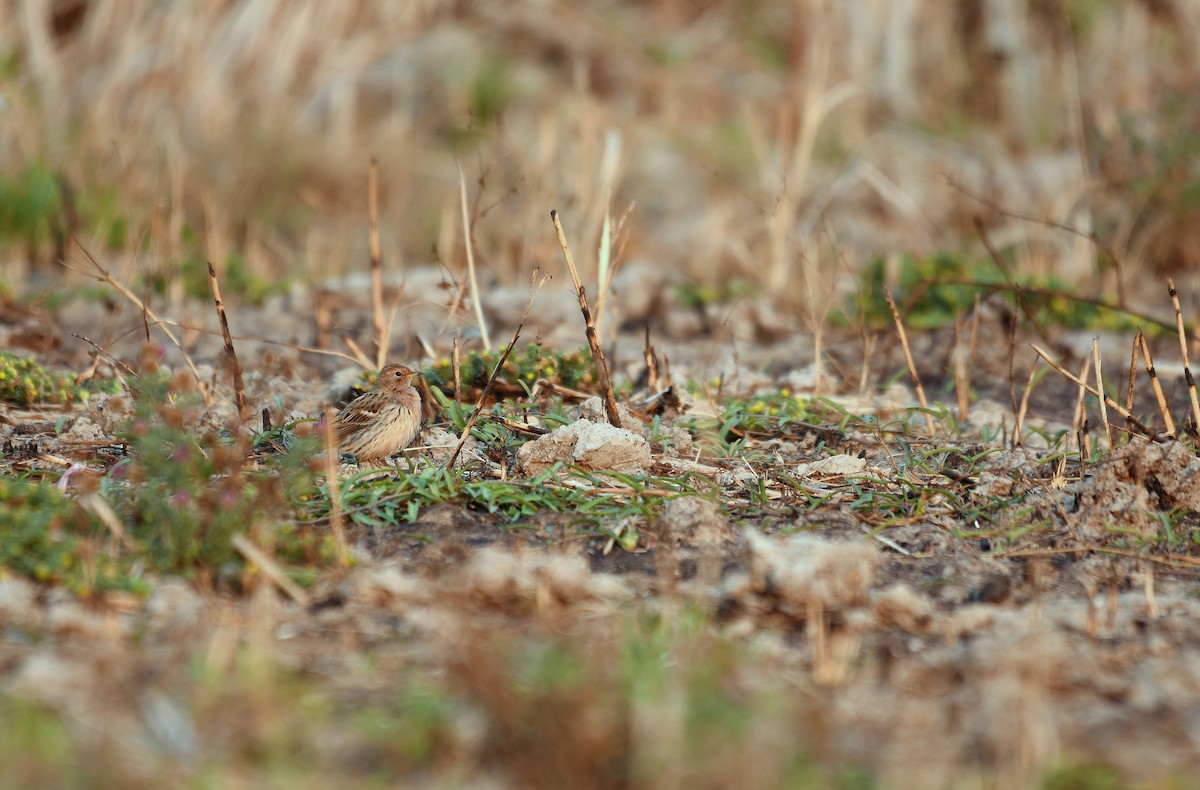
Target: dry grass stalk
610,403
269,568
1079,420
456,365
359,355
332,485
476,297
239,387
381,333
962,375
1108,431
1133,360
100,273
1183,350
1019,429
651,363
1134,422
1154,382
908,358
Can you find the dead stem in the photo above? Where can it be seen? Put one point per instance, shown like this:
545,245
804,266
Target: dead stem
1183,350
239,388
147,316
908,358
491,382
1134,422
1154,382
1108,431
610,403
1019,431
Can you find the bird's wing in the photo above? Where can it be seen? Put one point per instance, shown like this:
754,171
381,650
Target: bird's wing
361,412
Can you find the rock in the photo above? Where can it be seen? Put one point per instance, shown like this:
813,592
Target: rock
691,520
594,446
802,570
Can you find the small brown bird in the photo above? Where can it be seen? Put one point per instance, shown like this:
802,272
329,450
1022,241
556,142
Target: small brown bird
383,421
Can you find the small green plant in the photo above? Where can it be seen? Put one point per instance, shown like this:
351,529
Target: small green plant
522,368
24,382
51,538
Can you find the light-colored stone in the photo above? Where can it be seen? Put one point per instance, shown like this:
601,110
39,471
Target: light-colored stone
595,446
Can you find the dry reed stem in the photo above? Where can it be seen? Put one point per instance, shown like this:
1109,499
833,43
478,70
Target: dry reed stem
1108,431
610,403
332,485
269,568
1154,382
1079,420
476,297
382,336
908,358
1019,429
147,316
1183,350
1134,422
239,387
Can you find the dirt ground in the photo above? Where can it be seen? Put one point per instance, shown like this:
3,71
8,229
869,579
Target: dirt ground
922,652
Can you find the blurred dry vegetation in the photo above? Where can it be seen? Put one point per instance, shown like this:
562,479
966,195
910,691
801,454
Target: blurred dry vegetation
757,140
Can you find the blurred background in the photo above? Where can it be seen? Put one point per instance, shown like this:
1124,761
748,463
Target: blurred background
767,148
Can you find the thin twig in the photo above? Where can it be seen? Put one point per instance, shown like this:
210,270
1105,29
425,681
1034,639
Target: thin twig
1134,422
610,403
1019,430
239,387
147,316
908,358
1183,350
1089,235
1018,290
491,382
1168,420
105,353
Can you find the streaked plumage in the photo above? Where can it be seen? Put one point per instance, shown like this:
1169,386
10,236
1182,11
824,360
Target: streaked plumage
383,421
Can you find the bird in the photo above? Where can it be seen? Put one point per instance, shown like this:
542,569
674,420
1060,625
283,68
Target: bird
382,421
